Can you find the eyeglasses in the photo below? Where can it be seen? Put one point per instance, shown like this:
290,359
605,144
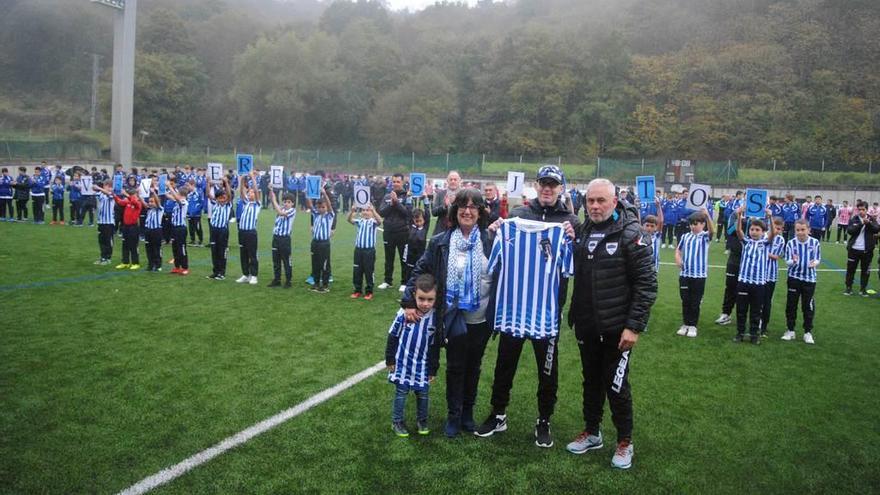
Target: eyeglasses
469,207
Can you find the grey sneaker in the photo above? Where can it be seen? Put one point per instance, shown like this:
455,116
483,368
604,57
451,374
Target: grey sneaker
494,423
623,456
423,427
584,442
399,429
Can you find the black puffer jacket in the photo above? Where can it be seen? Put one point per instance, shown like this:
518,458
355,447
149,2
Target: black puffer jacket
614,283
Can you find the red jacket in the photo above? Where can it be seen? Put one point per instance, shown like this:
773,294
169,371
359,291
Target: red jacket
132,212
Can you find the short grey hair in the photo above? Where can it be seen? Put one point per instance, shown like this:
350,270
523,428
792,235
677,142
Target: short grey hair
601,183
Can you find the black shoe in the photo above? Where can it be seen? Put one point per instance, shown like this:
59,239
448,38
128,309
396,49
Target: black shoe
847,291
467,420
738,337
754,339
287,284
542,434
274,283
863,293
494,423
453,426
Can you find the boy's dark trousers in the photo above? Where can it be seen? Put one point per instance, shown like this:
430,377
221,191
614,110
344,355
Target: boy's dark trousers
800,291
411,255
731,274
749,300
681,229
39,214
853,258
219,249
21,208
178,247
195,229
6,209
600,357
281,257
130,240
668,234
789,231
247,243
364,265
88,206
841,228
546,357
719,228
105,240
464,354
321,262
117,216
154,247
817,234
75,207
166,227
57,210
769,288
691,290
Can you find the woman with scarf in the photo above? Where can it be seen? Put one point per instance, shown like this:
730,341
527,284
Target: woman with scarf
458,260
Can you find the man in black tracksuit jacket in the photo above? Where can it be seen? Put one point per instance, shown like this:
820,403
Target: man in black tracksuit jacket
614,288
396,213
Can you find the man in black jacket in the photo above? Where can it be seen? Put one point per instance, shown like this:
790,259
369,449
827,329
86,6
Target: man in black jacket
442,200
614,288
547,207
860,247
396,213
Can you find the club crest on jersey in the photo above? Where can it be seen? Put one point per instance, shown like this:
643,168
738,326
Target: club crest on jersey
591,246
611,247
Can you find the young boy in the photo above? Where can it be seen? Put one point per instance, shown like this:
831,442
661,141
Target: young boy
281,239
153,231
38,194
106,221
692,256
364,250
653,227
88,202
6,213
194,214
178,228
58,201
802,255
131,215
74,192
752,278
844,213
221,211
416,241
323,227
247,228
777,250
411,365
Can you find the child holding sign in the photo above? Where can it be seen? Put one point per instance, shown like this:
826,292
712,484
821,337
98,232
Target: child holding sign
364,250
752,278
178,227
323,227
281,239
692,256
247,228
221,211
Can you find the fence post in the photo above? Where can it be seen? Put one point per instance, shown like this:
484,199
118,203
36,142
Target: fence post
870,166
413,161
349,157
728,170
379,160
598,165
288,157
261,154
208,152
317,157
774,164
823,166
559,161
520,159
161,152
643,166
483,163
447,163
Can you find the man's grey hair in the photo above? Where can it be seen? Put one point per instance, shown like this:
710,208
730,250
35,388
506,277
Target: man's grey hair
601,183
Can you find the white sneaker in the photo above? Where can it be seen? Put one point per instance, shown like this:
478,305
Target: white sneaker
242,279
808,338
789,335
253,280
663,246
723,319
623,456
402,288
682,330
384,286
692,332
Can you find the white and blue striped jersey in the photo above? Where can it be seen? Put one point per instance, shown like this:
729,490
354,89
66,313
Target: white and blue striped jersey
106,213
754,261
220,215
694,254
776,249
154,218
366,233
178,214
798,256
533,256
284,222
411,358
250,210
322,225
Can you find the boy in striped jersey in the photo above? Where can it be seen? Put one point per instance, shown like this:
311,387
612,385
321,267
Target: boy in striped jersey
106,221
802,255
653,227
247,228
692,257
221,210
323,227
153,231
281,238
364,250
412,356
178,228
752,279
777,250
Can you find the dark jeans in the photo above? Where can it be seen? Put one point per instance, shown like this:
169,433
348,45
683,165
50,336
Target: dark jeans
195,230
21,208
364,265
88,207
154,247
464,354
57,210
606,374
731,274
394,242
788,231
130,239
75,207
321,263
749,300
281,257
399,403
39,213
6,209
853,259
667,237
105,240
818,234
800,291
691,291
841,229
219,250
767,306
509,350
247,243
178,247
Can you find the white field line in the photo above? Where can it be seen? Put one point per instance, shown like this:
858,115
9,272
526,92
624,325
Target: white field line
783,268
175,471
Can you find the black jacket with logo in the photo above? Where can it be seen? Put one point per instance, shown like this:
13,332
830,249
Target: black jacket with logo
614,282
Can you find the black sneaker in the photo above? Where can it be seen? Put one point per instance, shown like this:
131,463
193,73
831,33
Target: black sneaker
494,423
863,293
287,285
542,434
754,339
274,283
847,291
738,337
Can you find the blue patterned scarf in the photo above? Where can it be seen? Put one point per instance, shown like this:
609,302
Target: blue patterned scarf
463,271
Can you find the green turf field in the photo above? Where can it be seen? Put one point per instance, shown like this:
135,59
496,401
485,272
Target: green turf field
107,377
